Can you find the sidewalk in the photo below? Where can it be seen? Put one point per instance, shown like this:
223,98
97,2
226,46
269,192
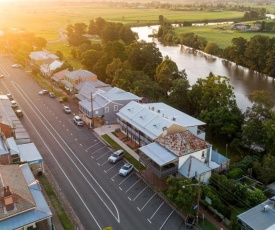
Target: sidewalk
108,129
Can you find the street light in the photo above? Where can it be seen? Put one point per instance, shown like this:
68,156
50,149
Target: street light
198,198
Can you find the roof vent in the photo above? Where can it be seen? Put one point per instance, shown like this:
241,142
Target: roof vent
158,111
153,108
173,118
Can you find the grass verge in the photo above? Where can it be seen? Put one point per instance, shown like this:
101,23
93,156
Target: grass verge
64,219
116,146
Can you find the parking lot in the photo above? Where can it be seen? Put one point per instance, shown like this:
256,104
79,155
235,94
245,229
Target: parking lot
153,208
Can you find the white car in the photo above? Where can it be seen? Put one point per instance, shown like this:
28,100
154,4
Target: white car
14,104
67,109
126,169
15,66
44,91
116,156
78,120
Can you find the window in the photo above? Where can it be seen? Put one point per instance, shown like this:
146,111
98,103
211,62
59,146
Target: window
106,109
115,107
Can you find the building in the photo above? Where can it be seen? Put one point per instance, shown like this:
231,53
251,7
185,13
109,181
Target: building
260,217
71,79
105,105
144,123
22,204
38,58
47,68
180,154
59,76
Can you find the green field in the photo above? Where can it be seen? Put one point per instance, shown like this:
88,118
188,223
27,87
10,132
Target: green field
221,37
44,19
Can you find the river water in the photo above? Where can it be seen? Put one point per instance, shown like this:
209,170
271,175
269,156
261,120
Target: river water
199,66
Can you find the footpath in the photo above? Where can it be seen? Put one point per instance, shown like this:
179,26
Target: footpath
108,129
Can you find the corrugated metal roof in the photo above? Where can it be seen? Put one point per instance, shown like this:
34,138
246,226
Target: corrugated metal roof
13,146
40,210
80,74
158,154
218,158
193,167
29,153
258,219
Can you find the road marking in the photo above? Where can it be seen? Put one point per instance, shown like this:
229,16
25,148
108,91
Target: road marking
104,163
75,139
156,210
91,146
120,188
147,202
126,178
80,144
138,209
166,220
139,193
98,163
98,150
47,124
132,185
129,198
101,156
149,221
111,167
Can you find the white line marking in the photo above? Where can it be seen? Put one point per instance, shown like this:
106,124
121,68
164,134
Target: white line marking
101,156
91,146
98,150
132,185
120,188
138,209
126,178
147,202
166,220
73,161
129,198
149,221
156,210
98,163
139,193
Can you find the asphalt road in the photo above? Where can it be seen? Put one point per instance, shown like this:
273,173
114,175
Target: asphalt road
79,162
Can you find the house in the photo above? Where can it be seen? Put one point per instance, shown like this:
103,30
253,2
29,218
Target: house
71,79
47,68
182,154
144,123
38,58
85,88
10,124
260,217
22,204
105,105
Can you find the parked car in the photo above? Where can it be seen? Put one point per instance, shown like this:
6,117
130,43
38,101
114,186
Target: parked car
67,109
19,113
10,96
1,76
14,104
15,66
78,120
116,156
126,169
52,95
44,91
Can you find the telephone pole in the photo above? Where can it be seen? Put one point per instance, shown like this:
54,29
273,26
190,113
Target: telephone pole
92,110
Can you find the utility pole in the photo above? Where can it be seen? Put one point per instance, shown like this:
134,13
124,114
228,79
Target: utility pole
92,109
198,201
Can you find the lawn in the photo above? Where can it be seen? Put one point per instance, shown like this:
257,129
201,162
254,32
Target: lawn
44,19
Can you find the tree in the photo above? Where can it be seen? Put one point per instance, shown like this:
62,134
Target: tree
166,73
76,34
237,50
90,58
255,116
269,134
40,43
178,96
214,102
59,54
212,48
267,171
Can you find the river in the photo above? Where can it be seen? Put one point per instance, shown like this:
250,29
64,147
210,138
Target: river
198,66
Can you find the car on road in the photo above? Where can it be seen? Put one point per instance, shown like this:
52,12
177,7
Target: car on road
44,91
15,66
67,109
52,95
14,104
126,169
1,76
116,156
78,120
19,113
10,96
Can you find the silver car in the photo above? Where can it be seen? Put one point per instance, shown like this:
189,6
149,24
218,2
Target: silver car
126,169
78,120
116,156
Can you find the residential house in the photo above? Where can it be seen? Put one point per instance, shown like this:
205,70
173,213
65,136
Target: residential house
182,154
260,217
144,123
10,124
105,105
71,79
49,66
59,76
38,58
22,204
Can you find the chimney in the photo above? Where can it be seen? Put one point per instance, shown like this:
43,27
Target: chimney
8,199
